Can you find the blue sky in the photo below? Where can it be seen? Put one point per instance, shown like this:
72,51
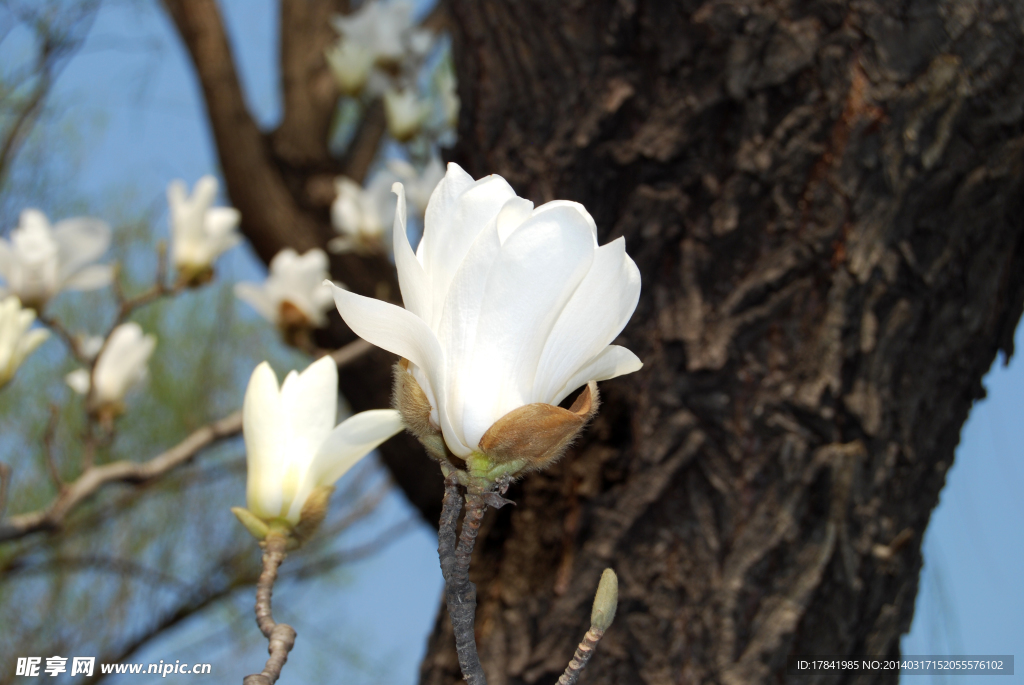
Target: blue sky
134,84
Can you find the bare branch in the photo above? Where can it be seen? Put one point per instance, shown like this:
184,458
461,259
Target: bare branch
308,90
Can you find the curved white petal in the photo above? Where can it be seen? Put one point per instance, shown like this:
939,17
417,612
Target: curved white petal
555,204
411,278
344,447
539,267
91,278
310,399
446,243
405,334
593,317
265,431
614,361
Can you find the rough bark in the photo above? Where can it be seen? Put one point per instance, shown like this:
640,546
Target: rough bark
825,202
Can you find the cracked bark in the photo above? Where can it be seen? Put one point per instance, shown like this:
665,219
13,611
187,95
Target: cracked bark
825,202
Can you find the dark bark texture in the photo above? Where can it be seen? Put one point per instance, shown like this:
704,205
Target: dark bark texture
825,202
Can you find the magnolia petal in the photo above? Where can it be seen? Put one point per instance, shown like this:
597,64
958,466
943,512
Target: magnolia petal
441,204
91,278
538,269
265,433
555,204
457,329
614,361
31,341
593,317
311,400
344,447
447,241
512,215
405,334
411,278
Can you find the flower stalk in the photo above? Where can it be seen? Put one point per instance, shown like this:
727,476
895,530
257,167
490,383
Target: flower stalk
281,636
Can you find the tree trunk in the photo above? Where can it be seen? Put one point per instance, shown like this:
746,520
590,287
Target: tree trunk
825,202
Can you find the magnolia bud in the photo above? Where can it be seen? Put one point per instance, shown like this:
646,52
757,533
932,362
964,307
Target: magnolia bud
539,433
606,601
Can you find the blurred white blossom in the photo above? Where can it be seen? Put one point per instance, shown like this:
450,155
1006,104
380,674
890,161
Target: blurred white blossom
122,364
378,34
363,216
16,340
40,260
200,232
294,294
404,112
350,63
292,444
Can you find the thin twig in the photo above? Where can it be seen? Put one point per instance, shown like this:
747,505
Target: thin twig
460,593
280,635
581,657
64,334
48,436
5,483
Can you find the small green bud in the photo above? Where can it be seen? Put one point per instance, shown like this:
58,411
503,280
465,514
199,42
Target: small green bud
606,601
257,527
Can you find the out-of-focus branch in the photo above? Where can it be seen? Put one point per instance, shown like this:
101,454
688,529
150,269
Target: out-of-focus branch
308,90
271,218
112,565
5,484
94,478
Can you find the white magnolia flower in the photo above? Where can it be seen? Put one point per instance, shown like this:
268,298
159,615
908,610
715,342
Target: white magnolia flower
507,306
385,29
362,215
294,293
350,63
200,232
291,441
40,260
404,112
16,340
122,365
419,185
